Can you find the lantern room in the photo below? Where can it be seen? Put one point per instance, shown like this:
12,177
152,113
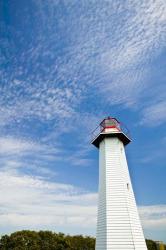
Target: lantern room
110,127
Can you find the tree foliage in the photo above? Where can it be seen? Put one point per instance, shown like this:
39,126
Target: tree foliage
151,245
47,240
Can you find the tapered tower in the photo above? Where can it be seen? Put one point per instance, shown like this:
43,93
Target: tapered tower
118,223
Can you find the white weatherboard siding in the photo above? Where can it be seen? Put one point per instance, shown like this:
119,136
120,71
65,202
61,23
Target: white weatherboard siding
118,225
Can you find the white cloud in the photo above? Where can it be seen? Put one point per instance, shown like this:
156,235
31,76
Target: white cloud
32,202
107,45
11,145
155,114
153,217
35,203
19,154
141,37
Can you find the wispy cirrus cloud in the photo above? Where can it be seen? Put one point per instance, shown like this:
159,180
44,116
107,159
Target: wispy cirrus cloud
12,146
155,114
140,39
107,48
35,203
18,155
153,216
23,193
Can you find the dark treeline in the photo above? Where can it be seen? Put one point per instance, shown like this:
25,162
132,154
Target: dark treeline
46,240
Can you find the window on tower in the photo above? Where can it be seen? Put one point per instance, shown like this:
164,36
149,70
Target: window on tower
128,186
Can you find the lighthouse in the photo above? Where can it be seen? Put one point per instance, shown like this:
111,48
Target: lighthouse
118,223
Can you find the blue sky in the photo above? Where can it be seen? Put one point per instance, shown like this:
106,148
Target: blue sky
65,65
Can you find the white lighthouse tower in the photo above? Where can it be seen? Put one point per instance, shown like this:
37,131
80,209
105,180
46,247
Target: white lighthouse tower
118,223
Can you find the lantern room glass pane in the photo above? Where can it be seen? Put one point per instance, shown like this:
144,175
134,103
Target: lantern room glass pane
110,123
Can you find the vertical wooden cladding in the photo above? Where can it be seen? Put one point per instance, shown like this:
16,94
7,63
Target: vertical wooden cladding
118,224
